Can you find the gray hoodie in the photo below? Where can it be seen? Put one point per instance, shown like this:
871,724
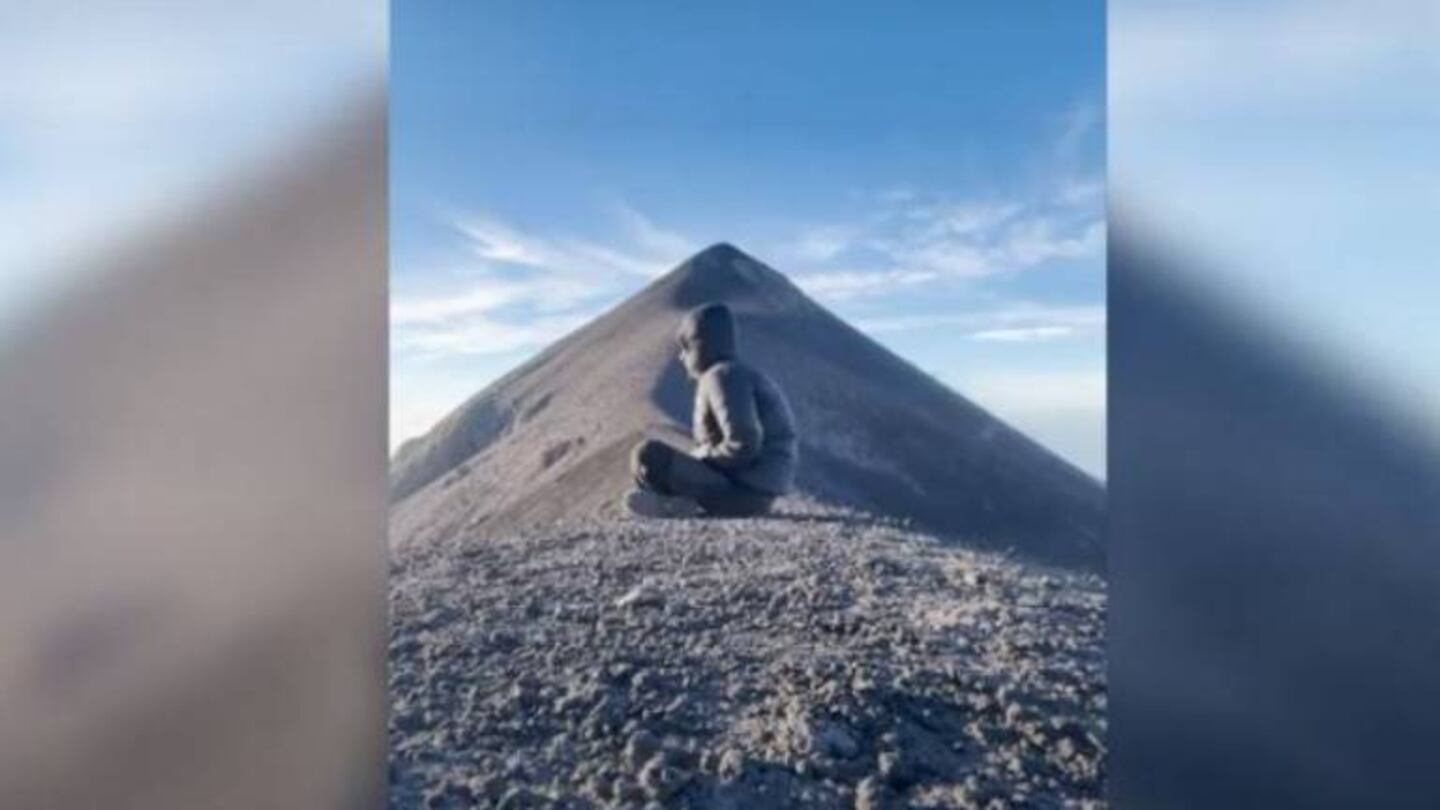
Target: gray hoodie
742,422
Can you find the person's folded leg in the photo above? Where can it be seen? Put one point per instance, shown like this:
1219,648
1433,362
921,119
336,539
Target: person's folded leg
668,470
665,469
737,501
650,464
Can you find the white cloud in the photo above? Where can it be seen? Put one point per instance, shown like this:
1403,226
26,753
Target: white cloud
821,244
523,290
496,241
966,219
646,250
915,323
911,237
1016,322
1080,193
921,238
897,194
487,335
936,240
844,284
1024,334
943,256
517,292
604,257
1041,239
661,247
489,295
971,240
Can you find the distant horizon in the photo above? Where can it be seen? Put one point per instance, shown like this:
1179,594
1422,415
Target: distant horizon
944,195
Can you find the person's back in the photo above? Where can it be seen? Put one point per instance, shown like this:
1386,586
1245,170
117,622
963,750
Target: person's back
744,432
743,425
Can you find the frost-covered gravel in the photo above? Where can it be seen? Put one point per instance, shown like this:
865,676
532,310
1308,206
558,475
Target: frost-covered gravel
828,661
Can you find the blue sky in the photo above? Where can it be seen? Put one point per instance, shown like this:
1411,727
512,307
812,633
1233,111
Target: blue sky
933,173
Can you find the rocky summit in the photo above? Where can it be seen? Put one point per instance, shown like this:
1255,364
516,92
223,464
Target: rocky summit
550,439
820,661
921,624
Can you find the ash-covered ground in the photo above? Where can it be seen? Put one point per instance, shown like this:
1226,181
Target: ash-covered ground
818,660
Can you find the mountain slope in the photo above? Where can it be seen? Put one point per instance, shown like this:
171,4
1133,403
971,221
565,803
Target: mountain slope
550,440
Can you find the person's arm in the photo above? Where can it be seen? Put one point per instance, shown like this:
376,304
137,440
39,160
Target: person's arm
702,429
729,396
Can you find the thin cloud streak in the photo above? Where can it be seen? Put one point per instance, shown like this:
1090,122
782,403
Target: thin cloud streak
489,295
851,283
927,239
1020,322
525,291
489,336
647,250
1028,334
656,243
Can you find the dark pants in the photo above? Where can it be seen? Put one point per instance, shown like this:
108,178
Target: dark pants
661,468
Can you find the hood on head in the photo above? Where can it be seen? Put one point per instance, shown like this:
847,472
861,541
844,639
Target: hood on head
710,331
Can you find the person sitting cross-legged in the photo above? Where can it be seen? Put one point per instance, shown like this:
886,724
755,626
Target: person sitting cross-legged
745,450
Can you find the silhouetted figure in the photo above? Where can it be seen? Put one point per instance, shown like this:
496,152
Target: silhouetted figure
745,447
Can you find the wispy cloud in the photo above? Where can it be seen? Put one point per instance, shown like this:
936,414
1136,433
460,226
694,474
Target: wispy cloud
1038,240
1027,334
489,295
656,244
1016,322
970,239
642,248
896,194
488,335
849,283
907,236
931,238
1078,193
521,290
821,244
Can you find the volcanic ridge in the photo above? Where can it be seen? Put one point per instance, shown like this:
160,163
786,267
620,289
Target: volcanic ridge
920,624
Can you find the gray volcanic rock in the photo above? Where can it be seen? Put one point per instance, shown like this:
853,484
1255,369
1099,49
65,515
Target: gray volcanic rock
815,660
548,651
877,434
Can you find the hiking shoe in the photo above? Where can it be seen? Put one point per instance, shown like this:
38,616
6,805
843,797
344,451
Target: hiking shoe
644,503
